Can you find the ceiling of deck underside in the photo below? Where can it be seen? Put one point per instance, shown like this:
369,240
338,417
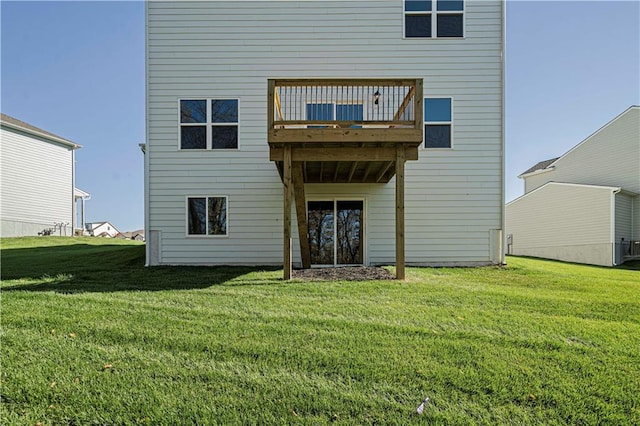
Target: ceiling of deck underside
346,171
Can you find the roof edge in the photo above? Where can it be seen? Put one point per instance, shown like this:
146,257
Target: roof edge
579,185
38,132
614,119
537,172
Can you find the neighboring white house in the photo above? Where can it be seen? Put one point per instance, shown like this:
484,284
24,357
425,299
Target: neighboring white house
37,181
101,229
81,197
231,85
584,206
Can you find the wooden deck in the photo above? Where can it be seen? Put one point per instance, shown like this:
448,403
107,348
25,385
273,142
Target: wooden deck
342,131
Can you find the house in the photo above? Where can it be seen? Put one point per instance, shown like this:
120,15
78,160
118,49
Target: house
38,194
101,229
324,133
80,197
131,235
584,206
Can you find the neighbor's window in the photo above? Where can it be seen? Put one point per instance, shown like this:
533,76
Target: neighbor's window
437,122
433,19
207,215
209,124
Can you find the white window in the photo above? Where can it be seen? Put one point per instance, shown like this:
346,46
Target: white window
437,122
207,216
433,18
209,124
335,111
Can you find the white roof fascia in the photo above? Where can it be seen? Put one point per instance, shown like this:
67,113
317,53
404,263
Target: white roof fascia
613,189
42,135
539,171
79,193
594,133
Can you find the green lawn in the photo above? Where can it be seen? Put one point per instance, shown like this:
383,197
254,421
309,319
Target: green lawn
90,336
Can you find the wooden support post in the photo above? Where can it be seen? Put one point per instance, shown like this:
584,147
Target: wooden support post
400,159
301,213
286,180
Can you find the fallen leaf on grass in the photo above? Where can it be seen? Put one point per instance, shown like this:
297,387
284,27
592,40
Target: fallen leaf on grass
72,335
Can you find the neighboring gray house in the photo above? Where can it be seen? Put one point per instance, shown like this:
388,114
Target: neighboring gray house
330,98
583,206
37,181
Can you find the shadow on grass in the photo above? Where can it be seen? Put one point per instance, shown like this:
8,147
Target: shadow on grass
83,268
633,265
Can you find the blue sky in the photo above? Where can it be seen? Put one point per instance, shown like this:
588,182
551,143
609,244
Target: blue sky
77,69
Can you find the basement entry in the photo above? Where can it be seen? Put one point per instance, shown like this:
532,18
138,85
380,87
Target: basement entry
336,232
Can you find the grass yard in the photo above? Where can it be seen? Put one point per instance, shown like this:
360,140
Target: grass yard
90,336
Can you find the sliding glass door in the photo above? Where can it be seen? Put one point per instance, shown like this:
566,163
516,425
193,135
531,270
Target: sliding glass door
336,232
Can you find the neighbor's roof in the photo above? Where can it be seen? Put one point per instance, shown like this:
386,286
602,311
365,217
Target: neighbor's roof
545,164
77,192
540,166
28,128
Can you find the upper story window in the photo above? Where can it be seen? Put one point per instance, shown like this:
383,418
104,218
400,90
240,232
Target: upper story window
209,124
433,18
437,122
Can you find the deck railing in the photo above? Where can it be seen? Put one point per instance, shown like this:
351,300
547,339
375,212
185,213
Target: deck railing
342,110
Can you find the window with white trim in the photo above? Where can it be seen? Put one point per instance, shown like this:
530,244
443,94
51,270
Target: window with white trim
209,124
207,216
335,111
437,122
433,18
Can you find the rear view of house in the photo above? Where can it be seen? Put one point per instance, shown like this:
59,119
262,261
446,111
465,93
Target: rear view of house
38,194
585,205
324,132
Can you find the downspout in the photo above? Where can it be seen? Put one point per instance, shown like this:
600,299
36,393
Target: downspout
503,53
147,234
73,192
613,225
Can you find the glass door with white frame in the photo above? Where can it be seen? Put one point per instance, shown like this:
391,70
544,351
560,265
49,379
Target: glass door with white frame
336,232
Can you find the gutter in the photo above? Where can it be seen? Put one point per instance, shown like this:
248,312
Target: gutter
65,142
537,172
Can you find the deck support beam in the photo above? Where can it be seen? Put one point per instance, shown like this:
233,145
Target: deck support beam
400,260
288,192
301,214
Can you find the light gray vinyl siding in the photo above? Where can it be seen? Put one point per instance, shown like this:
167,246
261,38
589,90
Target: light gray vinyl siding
198,50
609,157
636,217
564,222
37,184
